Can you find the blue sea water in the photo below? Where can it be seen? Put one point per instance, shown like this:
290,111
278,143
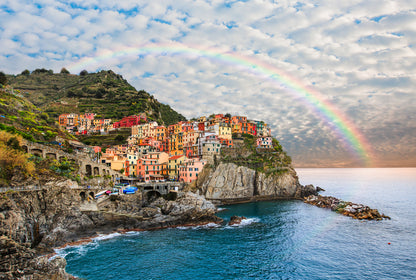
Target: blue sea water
280,239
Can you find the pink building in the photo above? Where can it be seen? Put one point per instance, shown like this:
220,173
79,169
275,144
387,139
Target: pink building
189,171
265,142
153,166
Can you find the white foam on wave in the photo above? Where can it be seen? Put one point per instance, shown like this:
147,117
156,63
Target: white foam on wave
209,225
219,209
245,222
76,250
132,233
106,236
81,249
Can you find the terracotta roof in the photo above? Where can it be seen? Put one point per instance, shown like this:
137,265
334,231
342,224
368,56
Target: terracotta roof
175,157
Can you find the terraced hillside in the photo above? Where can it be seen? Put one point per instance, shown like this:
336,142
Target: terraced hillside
105,93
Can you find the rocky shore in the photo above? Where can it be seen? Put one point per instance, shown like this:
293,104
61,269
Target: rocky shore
34,222
346,208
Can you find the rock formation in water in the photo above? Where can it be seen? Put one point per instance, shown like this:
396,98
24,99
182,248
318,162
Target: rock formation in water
346,208
236,220
229,183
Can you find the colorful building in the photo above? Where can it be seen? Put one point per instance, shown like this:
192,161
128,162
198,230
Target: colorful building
190,169
238,119
153,166
265,142
173,166
129,121
249,128
225,131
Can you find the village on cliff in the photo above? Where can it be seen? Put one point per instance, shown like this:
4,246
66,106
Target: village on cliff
177,152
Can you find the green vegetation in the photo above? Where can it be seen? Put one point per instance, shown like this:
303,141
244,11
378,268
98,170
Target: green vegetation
13,160
113,138
105,92
54,168
245,153
19,116
3,79
64,71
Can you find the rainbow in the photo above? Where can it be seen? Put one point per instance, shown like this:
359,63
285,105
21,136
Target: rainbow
345,130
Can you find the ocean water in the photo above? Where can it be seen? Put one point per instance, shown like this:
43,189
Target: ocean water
279,240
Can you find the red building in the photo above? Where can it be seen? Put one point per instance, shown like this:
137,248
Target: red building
129,121
201,126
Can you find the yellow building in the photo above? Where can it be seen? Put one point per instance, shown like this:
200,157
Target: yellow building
225,132
173,166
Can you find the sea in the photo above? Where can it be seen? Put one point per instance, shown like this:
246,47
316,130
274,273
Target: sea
278,240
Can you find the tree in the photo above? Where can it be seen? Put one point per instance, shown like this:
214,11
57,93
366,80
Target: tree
40,71
25,72
70,93
120,138
64,71
3,79
83,73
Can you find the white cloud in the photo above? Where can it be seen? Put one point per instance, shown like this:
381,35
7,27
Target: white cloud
360,55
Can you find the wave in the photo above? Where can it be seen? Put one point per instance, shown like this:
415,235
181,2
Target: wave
74,251
79,250
207,226
106,236
244,223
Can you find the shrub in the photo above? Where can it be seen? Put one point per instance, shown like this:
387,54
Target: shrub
3,79
25,72
64,71
83,73
11,159
171,196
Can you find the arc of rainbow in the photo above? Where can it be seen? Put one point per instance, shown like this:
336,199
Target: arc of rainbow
340,124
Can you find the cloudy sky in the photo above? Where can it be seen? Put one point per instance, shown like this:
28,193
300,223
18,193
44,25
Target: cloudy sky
316,71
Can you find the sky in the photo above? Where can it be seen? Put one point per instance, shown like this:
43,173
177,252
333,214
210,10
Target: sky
335,80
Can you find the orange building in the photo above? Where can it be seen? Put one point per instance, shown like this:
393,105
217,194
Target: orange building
238,119
226,143
153,166
249,128
236,128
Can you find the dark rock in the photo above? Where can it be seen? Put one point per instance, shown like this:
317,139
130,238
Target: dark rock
356,211
319,189
236,220
308,190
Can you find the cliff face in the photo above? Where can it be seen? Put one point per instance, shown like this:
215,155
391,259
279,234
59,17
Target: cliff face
229,183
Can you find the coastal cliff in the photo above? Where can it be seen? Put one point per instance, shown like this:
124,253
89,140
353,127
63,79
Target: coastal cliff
33,222
230,183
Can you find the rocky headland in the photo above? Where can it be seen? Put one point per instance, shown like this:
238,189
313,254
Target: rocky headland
229,183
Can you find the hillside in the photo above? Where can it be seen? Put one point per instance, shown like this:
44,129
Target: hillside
105,93
20,116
